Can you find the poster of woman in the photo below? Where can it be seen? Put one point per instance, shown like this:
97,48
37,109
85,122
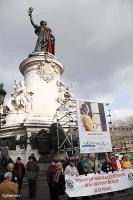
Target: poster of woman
93,127
87,119
93,116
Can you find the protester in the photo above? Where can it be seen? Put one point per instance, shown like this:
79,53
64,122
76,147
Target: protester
59,179
7,187
10,160
71,169
20,169
125,162
132,163
114,163
32,173
10,168
50,180
118,162
33,156
82,166
66,163
95,165
4,163
107,166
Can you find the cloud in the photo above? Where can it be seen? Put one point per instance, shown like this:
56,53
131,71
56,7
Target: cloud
94,41
122,114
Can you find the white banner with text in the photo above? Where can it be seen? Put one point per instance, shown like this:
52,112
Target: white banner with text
93,184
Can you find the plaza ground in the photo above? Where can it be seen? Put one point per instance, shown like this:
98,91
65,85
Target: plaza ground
43,194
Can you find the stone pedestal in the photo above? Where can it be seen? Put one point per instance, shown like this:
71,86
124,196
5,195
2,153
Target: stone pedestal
38,94
33,106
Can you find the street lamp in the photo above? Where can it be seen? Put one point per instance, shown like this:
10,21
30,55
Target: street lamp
2,97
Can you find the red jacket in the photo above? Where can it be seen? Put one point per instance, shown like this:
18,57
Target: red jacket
114,165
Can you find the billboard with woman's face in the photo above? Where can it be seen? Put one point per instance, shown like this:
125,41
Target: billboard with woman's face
93,127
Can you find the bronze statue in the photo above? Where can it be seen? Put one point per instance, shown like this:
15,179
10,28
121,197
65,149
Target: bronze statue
1,86
46,40
2,93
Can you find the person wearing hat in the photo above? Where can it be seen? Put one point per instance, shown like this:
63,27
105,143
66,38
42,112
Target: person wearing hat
20,169
32,174
33,156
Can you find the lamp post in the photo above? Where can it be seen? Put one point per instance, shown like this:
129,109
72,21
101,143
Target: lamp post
2,97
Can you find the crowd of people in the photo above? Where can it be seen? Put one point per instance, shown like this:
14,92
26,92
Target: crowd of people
85,165
12,175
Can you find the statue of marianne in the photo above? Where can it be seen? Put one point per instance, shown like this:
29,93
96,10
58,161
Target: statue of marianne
46,40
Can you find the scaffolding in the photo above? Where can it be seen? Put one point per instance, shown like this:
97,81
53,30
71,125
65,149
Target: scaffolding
66,116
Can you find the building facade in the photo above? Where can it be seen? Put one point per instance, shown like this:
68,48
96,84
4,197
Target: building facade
122,139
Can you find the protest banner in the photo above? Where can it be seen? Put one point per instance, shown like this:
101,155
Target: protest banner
94,135
94,184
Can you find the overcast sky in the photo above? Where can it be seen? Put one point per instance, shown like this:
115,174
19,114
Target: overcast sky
94,41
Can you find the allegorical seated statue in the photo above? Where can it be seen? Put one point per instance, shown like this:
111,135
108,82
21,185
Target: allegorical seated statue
46,40
21,99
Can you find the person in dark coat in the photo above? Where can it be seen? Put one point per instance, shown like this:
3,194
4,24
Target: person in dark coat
50,180
107,166
32,173
33,156
20,169
4,163
10,168
66,163
59,179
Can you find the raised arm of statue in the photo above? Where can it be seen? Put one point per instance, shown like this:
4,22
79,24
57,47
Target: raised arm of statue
1,86
31,19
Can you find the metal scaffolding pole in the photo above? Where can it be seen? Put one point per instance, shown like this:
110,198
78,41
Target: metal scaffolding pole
68,121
